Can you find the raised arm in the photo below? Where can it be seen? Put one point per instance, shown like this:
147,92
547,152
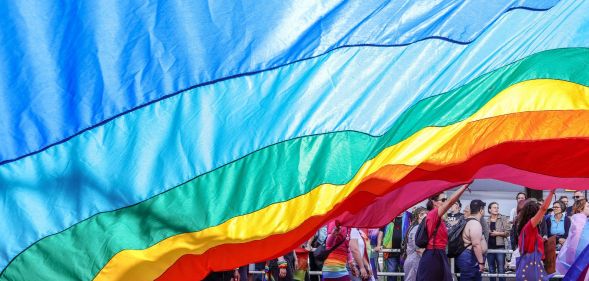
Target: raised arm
540,215
446,206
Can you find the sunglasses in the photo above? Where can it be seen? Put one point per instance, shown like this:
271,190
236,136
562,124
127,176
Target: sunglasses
442,200
577,197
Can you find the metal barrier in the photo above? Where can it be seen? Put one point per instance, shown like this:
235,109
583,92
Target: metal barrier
484,274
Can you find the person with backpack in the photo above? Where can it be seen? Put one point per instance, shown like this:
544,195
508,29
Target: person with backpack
412,251
337,254
470,262
434,263
318,240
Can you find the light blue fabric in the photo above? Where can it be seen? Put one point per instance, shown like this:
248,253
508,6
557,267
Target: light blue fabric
160,146
69,65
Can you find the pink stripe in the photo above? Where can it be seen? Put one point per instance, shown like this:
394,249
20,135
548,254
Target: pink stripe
408,195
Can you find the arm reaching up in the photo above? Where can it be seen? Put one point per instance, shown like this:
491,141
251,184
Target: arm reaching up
540,215
446,206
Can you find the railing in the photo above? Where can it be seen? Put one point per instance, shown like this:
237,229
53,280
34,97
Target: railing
484,274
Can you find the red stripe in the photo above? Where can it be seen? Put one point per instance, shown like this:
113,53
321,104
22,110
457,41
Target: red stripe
521,161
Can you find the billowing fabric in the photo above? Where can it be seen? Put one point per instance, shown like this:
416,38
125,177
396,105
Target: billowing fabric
156,140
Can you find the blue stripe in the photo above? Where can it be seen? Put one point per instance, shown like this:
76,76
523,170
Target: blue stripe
69,66
147,151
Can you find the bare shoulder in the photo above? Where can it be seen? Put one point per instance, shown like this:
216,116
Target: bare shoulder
473,224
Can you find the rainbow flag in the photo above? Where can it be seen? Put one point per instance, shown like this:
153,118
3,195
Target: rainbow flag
165,139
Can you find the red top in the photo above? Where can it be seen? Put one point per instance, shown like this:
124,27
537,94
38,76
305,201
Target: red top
532,238
441,239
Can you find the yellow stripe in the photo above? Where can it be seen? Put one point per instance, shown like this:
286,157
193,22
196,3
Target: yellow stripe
148,264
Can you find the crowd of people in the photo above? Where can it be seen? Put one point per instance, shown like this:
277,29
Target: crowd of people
475,235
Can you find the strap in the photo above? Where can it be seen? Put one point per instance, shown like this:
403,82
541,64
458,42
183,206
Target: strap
338,243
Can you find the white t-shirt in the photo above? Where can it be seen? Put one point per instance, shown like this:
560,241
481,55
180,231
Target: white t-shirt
512,214
355,234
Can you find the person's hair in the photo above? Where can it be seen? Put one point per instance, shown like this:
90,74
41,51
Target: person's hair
528,211
523,193
563,197
491,205
415,215
476,206
562,206
459,203
430,201
579,205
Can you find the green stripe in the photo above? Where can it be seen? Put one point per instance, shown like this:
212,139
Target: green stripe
274,174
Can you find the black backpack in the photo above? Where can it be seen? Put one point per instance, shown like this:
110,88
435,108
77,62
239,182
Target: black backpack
321,253
455,241
421,237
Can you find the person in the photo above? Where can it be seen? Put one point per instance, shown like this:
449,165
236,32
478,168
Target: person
413,252
470,262
500,227
520,197
230,275
454,215
542,228
282,268
514,238
301,271
558,224
531,245
360,246
334,267
466,211
434,263
570,249
373,255
390,237
314,242
578,195
582,207
564,199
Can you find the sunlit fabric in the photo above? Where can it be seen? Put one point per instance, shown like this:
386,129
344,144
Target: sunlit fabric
158,140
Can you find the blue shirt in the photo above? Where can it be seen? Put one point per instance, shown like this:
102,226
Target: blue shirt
557,227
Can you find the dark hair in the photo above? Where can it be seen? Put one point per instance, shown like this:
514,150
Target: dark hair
459,203
563,208
415,215
430,201
523,193
528,211
563,197
491,205
476,206
579,206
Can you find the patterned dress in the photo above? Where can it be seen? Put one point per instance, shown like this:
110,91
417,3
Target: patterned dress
413,257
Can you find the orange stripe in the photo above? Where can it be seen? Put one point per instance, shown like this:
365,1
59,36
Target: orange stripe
518,127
